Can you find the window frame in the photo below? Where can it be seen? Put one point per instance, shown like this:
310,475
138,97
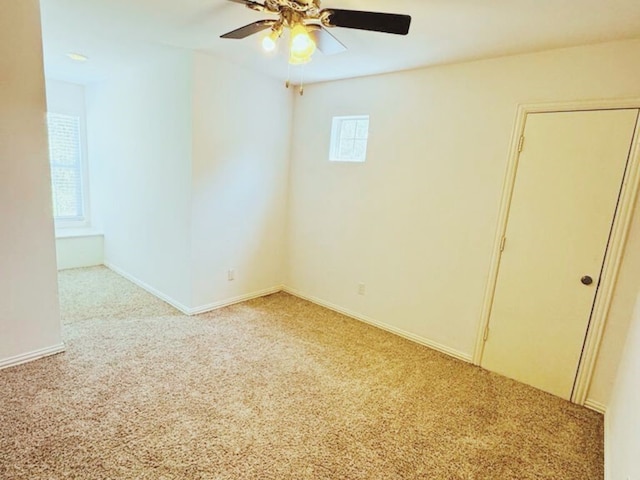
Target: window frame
337,139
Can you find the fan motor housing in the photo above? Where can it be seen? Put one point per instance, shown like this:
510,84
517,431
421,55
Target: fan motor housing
311,8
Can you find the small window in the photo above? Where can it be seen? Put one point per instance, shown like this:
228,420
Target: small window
66,169
349,138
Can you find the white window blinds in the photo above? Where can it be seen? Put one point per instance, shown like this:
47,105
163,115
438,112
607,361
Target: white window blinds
66,167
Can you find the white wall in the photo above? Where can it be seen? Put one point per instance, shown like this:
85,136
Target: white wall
622,421
67,98
29,312
80,250
140,146
189,155
241,132
416,222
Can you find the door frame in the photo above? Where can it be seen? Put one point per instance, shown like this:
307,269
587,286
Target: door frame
617,241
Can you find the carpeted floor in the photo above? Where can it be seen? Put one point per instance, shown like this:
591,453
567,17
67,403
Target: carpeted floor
274,388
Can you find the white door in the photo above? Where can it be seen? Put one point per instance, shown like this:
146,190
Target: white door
567,186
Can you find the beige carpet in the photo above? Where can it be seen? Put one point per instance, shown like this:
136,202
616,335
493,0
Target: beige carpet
275,388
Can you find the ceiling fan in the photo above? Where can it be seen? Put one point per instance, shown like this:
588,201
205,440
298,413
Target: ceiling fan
308,23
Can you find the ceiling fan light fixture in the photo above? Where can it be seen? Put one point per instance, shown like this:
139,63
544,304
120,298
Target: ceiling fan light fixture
302,45
305,39
269,42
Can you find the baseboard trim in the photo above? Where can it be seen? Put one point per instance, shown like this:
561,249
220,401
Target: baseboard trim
383,326
232,301
195,310
595,406
145,286
31,356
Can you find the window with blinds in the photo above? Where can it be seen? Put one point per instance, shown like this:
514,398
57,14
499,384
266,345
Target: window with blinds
65,155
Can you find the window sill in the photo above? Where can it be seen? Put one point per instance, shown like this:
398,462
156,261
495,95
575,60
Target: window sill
78,232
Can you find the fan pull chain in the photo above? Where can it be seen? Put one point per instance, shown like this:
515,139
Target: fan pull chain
288,82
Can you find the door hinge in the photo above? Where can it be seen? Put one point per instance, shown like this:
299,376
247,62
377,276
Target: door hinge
502,244
521,144
485,337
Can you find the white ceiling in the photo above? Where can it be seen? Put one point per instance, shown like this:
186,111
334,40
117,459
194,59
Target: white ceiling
118,33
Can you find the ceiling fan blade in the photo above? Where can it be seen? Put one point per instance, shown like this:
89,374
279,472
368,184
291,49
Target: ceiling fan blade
373,21
248,3
250,29
325,41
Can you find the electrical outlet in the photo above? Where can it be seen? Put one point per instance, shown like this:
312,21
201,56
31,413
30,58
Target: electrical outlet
231,275
361,289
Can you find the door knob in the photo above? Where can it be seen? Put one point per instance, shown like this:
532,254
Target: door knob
586,280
